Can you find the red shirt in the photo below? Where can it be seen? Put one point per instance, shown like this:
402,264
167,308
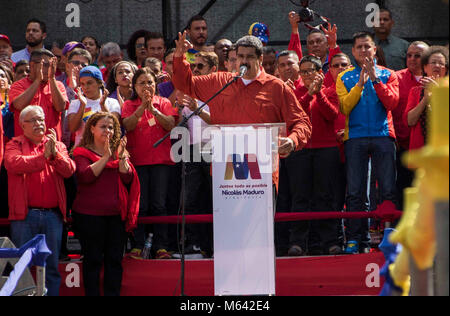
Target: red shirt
1,140
98,196
147,132
406,81
323,109
265,100
416,139
43,98
41,186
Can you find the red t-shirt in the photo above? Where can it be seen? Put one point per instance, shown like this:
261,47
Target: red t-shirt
147,132
323,109
416,139
41,186
43,98
406,81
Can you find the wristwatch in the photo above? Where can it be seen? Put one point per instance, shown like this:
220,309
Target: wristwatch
377,80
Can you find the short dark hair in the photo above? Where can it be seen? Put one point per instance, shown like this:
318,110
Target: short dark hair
231,49
154,35
80,52
364,34
312,59
287,53
340,55
269,50
250,41
41,52
193,19
384,9
168,52
20,63
97,43
131,45
42,24
140,72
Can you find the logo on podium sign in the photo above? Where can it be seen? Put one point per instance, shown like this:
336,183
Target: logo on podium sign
242,168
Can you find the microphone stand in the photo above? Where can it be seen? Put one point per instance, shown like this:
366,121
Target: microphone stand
183,177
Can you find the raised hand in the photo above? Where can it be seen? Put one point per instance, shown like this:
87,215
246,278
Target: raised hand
290,84
119,97
182,45
331,34
294,20
39,75
190,103
73,77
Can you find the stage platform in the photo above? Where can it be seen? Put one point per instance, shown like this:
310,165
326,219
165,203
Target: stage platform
302,276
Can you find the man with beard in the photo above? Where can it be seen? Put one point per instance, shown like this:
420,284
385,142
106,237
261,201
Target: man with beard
40,88
197,30
35,35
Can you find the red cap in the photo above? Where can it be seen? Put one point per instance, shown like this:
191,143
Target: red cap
6,38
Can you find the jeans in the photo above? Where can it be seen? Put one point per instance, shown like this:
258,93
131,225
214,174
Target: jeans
49,223
357,151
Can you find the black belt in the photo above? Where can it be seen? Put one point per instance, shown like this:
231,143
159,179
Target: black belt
55,209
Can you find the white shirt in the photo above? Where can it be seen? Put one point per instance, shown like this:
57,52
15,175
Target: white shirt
92,107
196,125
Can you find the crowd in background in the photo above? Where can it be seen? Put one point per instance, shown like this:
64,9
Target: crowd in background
79,122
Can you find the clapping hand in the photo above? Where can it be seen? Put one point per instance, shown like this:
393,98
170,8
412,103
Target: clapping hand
50,145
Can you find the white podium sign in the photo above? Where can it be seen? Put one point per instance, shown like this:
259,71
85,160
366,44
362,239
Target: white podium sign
243,160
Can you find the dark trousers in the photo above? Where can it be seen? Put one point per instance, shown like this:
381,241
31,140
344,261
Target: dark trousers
312,185
357,152
199,201
155,181
405,177
102,240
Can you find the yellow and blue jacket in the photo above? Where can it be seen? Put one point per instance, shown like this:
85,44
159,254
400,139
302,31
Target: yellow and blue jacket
368,109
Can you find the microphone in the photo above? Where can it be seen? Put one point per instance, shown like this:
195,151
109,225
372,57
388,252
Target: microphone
242,71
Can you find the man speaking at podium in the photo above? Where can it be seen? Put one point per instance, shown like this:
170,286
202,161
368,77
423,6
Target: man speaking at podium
256,97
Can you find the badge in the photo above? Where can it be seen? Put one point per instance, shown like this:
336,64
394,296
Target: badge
152,122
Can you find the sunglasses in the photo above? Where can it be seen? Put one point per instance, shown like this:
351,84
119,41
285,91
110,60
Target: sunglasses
140,45
199,66
343,65
413,55
78,63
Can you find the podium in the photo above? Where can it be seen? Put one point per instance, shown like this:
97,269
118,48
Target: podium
244,161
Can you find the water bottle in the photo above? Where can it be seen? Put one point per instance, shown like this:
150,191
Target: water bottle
147,247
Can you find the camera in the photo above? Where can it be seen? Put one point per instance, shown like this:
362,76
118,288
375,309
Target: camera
305,13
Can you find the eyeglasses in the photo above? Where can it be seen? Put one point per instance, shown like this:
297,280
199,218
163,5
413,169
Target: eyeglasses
415,56
343,65
437,63
200,66
78,63
308,72
35,120
140,45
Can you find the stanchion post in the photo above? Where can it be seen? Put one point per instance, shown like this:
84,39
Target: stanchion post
40,281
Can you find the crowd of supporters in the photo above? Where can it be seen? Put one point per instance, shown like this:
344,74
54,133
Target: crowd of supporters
79,122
